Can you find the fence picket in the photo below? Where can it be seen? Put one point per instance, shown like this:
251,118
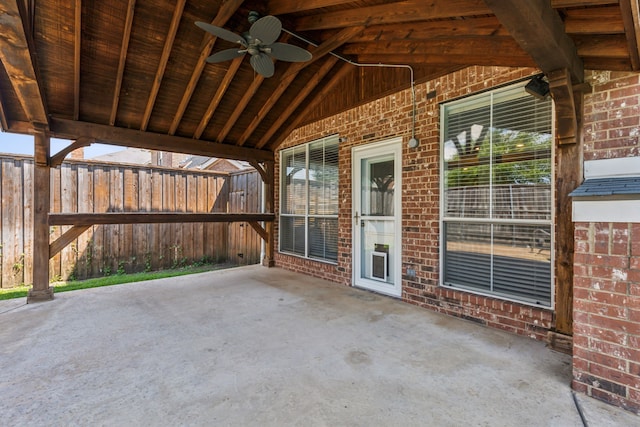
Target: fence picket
99,187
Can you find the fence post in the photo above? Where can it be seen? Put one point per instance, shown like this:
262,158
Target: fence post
41,290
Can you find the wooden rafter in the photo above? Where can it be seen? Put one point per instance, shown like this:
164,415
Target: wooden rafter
104,134
124,48
437,60
16,58
600,20
326,89
319,52
471,27
442,46
604,46
291,107
215,101
290,76
280,7
240,107
538,29
162,65
332,43
77,50
225,12
630,10
393,13
560,4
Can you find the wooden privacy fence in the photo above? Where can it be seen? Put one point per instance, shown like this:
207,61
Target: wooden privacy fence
88,187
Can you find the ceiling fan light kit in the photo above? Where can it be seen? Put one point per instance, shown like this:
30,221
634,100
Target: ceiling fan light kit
260,43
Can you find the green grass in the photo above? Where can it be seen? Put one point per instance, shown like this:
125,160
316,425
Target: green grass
21,291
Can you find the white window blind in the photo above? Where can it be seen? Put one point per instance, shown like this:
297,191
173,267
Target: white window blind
496,214
309,200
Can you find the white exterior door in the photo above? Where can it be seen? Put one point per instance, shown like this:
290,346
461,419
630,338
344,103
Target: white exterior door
377,172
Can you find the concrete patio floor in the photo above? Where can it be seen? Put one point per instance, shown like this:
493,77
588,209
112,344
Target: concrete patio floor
257,346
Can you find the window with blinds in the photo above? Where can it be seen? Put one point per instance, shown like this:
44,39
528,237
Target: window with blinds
309,200
497,195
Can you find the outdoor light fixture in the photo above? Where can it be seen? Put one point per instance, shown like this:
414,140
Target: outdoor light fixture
538,87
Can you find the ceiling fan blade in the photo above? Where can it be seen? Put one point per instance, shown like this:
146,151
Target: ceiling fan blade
263,64
222,33
289,52
266,29
225,55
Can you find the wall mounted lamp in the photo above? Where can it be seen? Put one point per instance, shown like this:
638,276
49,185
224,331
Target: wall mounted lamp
538,87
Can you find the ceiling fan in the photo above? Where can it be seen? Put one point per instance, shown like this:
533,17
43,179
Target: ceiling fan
259,42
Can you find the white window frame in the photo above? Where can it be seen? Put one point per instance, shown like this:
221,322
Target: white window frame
306,216
444,219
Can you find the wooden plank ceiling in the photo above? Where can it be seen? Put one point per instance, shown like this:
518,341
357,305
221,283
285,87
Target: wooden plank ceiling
134,72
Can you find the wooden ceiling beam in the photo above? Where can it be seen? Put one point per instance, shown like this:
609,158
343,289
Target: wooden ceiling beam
595,20
215,101
332,43
285,82
77,51
124,48
112,135
240,107
473,27
562,4
336,78
440,46
319,52
291,107
227,9
281,7
539,31
393,13
444,59
162,65
605,46
607,64
630,10
15,55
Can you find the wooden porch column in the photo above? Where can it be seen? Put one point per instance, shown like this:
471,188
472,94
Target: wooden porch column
569,105
269,205
41,290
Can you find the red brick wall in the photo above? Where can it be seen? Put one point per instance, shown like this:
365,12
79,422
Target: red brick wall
612,115
606,340
606,352
391,117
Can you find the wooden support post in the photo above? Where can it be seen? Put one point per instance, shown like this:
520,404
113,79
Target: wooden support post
269,205
41,290
569,114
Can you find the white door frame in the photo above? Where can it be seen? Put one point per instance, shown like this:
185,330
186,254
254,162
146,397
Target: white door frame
393,285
